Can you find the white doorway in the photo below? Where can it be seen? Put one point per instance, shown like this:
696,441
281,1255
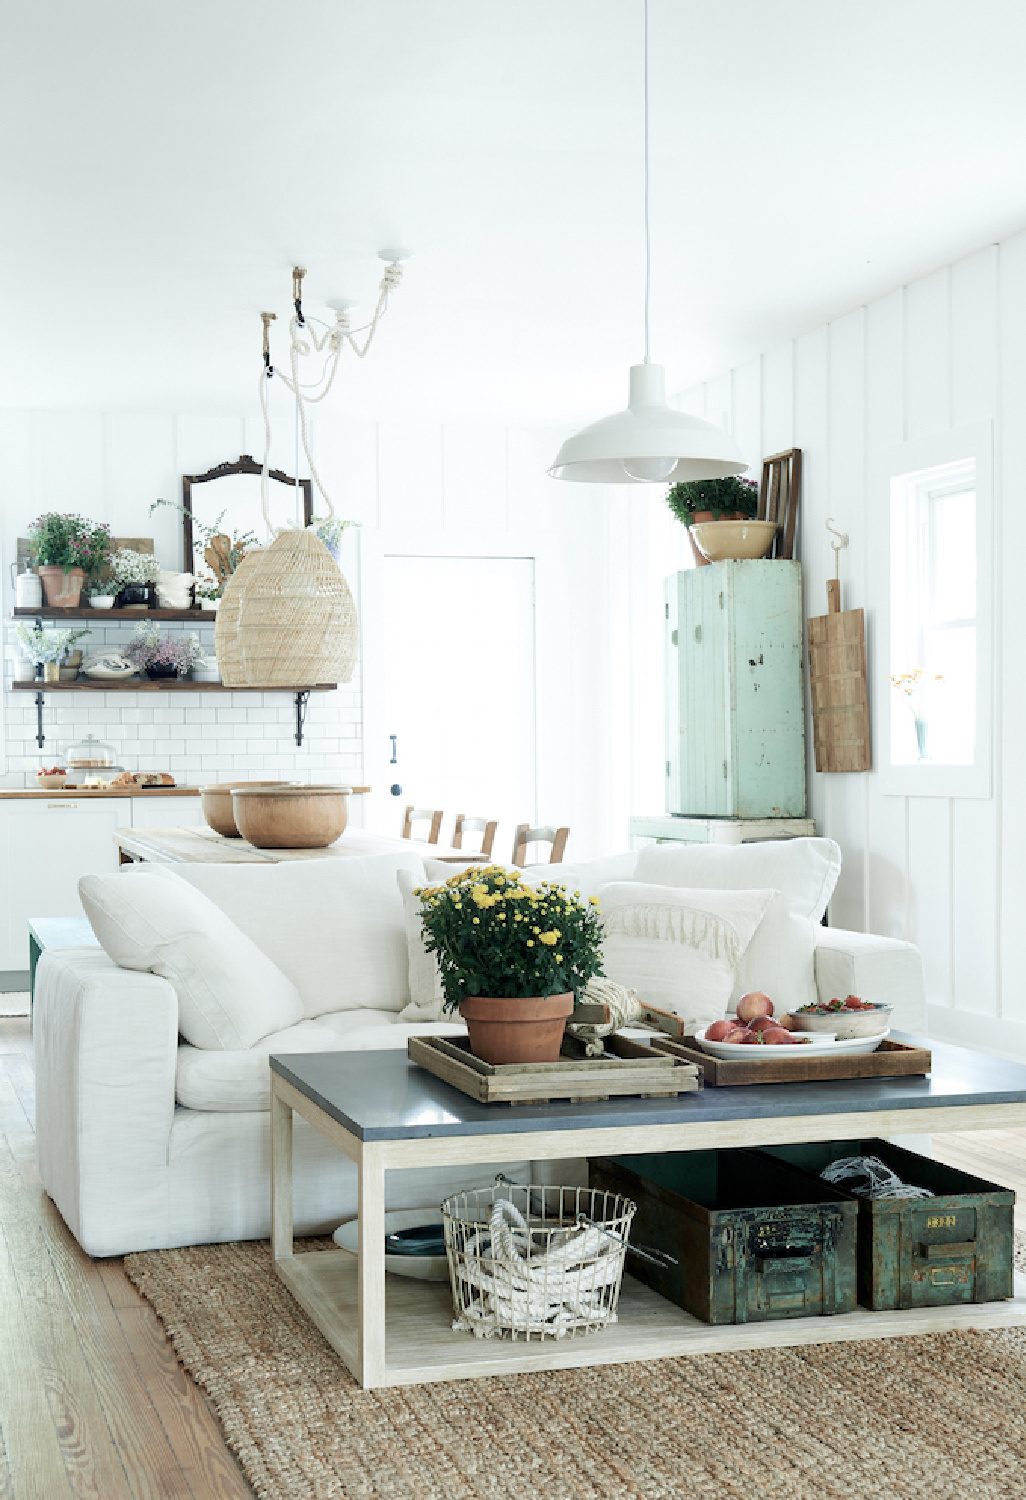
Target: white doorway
458,690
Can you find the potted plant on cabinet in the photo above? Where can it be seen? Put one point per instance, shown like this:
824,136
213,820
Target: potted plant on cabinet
729,507
513,959
67,549
163,655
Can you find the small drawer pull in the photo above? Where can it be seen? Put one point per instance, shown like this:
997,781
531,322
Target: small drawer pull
62,804
953,1250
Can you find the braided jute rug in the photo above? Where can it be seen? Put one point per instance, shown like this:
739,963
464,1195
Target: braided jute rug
937,1417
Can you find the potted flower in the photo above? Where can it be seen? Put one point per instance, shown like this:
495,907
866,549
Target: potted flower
208,592
133,576
47,648
513,959
330,530
163,655
914,687
67,549
709,502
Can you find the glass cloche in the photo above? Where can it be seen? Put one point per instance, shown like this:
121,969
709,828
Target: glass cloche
90,754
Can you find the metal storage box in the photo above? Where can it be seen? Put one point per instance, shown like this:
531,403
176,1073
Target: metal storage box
923,1252
735,1237
735,725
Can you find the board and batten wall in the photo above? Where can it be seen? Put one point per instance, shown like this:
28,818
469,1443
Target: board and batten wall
947,350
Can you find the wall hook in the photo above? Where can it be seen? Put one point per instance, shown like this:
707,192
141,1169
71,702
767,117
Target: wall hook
838,546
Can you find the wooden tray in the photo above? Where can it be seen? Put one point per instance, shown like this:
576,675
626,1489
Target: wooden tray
628,1067
890,1060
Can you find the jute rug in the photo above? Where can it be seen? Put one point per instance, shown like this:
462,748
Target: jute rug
941,1417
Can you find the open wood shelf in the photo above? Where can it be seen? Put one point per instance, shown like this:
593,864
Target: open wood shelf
49,612
156,685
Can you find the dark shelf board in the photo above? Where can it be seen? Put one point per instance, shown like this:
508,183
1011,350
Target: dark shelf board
46,612
159,685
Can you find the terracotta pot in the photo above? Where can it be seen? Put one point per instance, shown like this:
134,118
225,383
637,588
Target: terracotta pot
290,817
216,803
522,1030
62,590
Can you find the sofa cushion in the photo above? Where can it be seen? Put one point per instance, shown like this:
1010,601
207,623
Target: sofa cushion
230,993
586,875
779,958
424,978
228,1082
681,950
333,925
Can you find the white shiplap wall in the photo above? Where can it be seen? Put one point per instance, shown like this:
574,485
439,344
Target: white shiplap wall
944,351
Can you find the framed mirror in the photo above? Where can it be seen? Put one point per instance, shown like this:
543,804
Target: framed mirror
228,498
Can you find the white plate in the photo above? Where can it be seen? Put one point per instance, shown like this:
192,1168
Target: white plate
819,1045
420,1267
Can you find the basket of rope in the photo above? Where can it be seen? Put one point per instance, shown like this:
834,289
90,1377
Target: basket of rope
535,1262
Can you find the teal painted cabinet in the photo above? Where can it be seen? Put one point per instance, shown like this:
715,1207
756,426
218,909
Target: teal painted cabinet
735,721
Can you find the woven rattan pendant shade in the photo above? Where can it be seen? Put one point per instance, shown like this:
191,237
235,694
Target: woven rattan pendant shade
290,621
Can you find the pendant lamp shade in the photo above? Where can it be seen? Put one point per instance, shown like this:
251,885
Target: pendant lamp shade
649,443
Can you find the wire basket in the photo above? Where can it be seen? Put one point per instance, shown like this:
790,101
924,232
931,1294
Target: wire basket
535,1262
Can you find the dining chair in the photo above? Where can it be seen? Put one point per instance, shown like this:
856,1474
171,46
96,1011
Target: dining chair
418,815
486,828
557,837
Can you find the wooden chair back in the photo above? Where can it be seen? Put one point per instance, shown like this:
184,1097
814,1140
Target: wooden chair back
418,815
780,496
484,826
557,837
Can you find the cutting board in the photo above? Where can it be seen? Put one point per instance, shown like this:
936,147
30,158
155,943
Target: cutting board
837,677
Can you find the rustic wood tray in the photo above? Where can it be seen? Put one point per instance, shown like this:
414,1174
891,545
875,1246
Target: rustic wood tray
890,1060
628,1067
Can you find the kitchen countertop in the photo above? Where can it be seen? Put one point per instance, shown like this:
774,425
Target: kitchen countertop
23,792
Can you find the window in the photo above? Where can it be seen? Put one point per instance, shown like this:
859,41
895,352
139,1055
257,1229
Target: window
933,615
932,678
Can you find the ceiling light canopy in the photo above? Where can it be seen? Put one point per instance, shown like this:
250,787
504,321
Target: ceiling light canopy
650,442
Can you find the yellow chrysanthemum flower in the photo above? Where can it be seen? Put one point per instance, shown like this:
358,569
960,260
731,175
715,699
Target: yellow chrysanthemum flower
550,939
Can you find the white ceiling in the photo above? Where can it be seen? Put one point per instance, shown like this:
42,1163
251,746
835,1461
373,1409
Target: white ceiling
163,164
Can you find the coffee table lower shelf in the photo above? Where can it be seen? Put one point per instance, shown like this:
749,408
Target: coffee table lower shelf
420,1345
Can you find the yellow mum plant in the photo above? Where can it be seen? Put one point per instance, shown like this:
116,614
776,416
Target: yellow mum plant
497,936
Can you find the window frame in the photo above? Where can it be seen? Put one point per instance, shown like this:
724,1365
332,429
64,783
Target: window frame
921,779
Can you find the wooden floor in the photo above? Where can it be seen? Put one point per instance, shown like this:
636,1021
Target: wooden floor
92,1400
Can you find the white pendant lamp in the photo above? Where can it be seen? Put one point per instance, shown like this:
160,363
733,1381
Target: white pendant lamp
649,442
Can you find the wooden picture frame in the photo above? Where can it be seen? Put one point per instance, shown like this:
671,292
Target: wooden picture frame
244,464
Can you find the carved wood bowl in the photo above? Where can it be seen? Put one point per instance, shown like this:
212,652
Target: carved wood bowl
216,804
290,816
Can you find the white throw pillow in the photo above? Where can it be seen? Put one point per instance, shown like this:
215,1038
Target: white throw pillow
425,980
681,950
586,875
780,958
333,925
230,994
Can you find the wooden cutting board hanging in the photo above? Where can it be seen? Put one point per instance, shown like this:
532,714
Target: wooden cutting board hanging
837,676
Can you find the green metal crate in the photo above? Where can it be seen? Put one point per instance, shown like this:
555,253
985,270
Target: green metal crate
736,1238
922,1252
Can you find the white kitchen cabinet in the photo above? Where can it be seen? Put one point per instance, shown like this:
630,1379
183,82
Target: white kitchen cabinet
45,847
166,812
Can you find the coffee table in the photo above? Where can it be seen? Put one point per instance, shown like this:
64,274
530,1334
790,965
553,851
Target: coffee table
383,1113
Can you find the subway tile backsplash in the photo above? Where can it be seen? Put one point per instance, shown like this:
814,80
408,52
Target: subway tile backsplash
197,736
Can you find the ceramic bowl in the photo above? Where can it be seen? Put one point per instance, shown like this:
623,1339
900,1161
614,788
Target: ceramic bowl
719,540
102,601
845,1024
216,805
290,817
51,783
421,1267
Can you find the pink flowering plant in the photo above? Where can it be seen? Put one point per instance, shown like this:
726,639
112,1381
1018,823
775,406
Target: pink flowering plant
163,655
66,540
497,936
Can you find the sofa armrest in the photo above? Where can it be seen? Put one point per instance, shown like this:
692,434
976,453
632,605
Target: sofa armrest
105,1044
883,970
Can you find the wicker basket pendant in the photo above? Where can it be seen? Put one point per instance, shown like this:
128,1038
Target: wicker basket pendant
226,624
296,621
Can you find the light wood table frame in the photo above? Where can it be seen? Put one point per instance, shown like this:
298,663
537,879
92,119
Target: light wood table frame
410,1340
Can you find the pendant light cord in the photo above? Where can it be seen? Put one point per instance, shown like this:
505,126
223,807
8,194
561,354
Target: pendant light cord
648,233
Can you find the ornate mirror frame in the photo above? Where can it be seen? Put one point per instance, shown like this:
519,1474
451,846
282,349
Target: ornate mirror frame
245,464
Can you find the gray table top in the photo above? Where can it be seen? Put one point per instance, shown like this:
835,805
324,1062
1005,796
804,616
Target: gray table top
382,1096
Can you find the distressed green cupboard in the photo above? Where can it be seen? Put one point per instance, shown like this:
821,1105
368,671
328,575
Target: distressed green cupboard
735,722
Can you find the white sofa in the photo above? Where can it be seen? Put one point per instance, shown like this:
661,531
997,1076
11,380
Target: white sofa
146,1141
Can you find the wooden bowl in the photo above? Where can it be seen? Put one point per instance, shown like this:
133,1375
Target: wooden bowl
216,803
290,817
719,540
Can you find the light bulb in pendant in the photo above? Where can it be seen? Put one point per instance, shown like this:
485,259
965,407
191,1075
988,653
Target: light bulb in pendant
648,470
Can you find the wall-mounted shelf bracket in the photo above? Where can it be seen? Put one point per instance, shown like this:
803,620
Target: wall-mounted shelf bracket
40,736
302,704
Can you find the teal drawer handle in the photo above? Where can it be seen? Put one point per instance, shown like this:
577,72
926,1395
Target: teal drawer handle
954,1250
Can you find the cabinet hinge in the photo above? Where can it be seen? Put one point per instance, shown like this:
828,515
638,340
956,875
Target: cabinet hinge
668,772
724,770
666,611
722,605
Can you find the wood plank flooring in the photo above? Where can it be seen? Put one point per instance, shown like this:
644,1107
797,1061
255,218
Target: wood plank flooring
93,1402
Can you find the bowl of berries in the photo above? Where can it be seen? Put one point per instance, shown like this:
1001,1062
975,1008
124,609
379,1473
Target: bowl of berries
845,1018
51,778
